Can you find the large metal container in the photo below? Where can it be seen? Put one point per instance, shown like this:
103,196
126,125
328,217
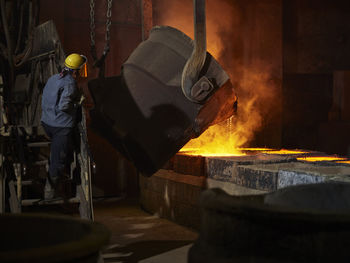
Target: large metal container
44,238
303,223
144,113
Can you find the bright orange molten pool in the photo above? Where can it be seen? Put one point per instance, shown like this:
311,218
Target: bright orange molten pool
237,151
223,141
322,158
302,155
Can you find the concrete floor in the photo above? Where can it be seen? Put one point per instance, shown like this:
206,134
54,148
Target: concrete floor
137,236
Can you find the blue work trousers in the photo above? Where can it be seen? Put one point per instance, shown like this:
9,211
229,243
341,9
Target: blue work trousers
61,150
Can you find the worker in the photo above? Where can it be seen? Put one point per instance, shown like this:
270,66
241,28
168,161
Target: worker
61,101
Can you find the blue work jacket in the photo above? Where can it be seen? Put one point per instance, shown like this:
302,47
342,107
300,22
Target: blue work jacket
59,107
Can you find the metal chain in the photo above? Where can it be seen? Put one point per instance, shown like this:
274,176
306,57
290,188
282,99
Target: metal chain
92,29
108,22
92,22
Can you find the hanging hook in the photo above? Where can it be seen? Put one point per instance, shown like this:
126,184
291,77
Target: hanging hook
194,64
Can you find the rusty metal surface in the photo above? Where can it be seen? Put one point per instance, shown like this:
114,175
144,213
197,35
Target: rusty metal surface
189,165
144,112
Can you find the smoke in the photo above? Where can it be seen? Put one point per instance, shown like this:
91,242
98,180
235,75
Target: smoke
255,81
179,14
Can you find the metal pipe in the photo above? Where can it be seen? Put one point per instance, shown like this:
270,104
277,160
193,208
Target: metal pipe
6,31
10,81
22,58
20,29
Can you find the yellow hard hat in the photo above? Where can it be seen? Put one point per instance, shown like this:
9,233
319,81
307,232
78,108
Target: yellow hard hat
75,61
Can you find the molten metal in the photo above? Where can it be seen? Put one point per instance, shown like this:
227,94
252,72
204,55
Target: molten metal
321,158
304,155
213,149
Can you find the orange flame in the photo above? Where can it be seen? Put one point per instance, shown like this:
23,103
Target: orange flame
224,138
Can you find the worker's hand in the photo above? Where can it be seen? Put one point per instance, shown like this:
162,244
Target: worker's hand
82,98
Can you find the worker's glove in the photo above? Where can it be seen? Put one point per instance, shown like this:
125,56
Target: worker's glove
82,98
4,131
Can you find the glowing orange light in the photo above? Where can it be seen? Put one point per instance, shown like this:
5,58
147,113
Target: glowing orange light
236,151
211,154
255,149
285,151
83,71
346,162
320,158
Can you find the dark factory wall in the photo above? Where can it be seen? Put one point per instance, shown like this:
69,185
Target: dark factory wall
114,175
316,63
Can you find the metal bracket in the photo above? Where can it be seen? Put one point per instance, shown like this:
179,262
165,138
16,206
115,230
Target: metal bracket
201,89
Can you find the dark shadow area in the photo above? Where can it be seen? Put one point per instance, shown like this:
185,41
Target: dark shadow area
142,250
64,209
